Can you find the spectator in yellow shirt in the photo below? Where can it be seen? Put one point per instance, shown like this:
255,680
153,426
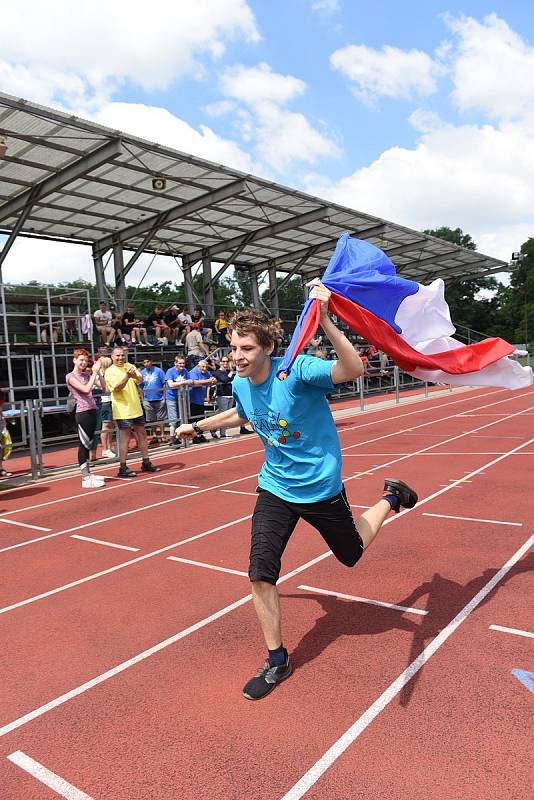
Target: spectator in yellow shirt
122,379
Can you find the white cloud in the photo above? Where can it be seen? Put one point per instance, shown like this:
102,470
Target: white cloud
280,136
55,262
220,108
493,68
104,44
326,6
478,178
254,85
389,72
159,125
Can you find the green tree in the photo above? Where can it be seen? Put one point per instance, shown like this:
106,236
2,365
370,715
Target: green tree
469,309
518,298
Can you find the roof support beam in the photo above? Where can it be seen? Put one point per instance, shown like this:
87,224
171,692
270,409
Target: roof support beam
62,177
262,233
404,248
151,226
436,259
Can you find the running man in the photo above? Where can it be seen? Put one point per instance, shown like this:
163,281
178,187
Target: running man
301,475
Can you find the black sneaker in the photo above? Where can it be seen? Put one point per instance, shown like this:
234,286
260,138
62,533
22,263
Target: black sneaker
175,444
126,472
214,435
407,496
149,467
199,439
266,679
245,430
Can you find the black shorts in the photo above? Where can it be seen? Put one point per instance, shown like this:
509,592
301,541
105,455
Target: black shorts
274,521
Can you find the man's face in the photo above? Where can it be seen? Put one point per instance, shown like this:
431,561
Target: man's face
202,366
147,363
251,359
117,356
103,306
179,363
130,309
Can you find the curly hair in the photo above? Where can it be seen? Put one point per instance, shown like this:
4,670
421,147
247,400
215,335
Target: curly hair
251,321
80,351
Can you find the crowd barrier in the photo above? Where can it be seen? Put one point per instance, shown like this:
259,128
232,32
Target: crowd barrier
26,418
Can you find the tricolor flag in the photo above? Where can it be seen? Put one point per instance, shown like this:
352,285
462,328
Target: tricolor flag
408,321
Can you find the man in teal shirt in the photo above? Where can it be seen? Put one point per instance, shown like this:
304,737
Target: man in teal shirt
301,476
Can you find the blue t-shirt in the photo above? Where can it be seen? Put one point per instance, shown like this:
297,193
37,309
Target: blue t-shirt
302,453
197,394
153,383
173,374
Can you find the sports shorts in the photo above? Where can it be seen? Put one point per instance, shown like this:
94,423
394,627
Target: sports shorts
130,423
274,521
107,412
155,410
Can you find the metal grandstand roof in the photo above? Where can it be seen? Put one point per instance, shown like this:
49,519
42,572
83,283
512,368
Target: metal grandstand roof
66,178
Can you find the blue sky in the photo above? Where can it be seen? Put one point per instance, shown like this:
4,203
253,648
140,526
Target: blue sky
419,112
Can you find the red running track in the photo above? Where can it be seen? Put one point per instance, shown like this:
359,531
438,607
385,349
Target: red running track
122,669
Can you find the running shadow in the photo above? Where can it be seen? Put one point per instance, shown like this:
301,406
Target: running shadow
445,598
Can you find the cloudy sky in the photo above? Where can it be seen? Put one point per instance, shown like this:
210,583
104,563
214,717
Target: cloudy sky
418,111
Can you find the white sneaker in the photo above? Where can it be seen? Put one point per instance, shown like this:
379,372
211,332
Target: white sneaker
109,454
92,482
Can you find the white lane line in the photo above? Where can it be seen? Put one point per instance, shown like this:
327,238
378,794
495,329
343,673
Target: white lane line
107,544
351,734
354,505
447,404
473,519
367,600
234,491
131,481
176,485
207,566
452,487
515,631
127,513
84,687
121,566
58,785
349,447
24,525
162,645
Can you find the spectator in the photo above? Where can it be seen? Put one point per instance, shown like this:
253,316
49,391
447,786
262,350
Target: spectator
156,325
122,380
195,349
213,359
153,398
200,380
106,411
172,322
198,321
81,382
3,473
224,398
102,318
320,354
184,322
116,324
174,378
134,327
221,329
365,361
41,324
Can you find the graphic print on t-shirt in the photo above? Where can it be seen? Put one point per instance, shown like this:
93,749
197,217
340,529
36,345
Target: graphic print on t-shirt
272,427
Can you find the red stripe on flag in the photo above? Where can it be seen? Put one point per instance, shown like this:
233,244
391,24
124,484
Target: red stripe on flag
470,358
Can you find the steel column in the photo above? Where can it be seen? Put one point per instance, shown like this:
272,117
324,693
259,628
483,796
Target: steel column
207,295
188,283
120,284
254,290
99,274
273,293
